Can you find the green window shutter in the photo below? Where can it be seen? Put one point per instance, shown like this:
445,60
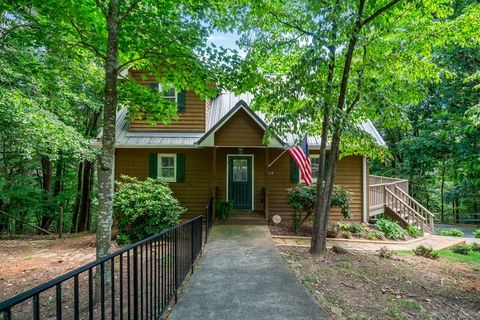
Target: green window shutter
155,86
181,101
180,167
294,171
153,165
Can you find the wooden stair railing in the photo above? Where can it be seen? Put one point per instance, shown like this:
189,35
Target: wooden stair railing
424,212
403,211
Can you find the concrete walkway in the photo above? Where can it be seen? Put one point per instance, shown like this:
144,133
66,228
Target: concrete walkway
242,276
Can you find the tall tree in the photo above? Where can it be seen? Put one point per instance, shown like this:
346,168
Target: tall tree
322,67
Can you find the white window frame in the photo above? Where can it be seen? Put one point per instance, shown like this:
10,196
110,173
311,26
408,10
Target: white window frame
175,98
317,156
159,167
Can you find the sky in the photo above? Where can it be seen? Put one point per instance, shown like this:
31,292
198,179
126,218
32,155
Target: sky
226,40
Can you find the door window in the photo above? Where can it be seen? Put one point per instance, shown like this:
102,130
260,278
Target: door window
239,170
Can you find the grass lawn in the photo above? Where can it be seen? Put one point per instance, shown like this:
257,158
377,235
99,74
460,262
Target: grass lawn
361,285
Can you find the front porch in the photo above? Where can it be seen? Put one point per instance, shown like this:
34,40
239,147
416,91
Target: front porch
390,196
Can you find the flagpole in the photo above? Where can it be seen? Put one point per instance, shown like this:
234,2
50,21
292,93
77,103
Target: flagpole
275,160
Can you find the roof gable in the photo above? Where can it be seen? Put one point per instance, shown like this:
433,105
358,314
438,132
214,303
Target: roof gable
240,117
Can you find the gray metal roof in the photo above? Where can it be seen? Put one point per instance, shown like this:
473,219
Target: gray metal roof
217,113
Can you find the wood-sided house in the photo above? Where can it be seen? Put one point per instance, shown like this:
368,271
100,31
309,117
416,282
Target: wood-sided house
215,150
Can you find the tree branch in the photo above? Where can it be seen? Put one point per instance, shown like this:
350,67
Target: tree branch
380,11
101,7
128,11
84,42
291,25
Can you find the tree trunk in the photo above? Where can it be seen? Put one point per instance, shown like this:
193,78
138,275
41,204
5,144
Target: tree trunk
442,194
85,206
105,164
47,175
76,207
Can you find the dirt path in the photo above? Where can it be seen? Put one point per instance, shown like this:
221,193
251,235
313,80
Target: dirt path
26,263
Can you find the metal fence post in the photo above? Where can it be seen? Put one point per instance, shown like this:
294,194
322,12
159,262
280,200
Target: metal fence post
175,270
135,283
192,241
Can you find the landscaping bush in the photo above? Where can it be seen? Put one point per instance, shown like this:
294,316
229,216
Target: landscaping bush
475,247
375,235
462,249
452,232
358,229
302,200
414,232
343,226
476,233
223,210
346,234
143,208
390,229
426,252
332,231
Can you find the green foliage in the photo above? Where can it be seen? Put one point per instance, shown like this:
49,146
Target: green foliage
426,252
475,247
452,232
375,235
414,232
358,229
343,226
302,199
462,249
346,234
390,229
333,231
143,208
224,210
476,233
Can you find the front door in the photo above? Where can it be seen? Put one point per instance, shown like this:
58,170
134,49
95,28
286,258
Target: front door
240,181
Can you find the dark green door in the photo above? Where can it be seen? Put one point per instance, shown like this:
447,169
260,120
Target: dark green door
240,181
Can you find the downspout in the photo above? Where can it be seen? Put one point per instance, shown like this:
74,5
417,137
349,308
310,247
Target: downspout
364,190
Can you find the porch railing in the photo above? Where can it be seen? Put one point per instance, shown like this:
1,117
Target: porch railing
136,282
377,191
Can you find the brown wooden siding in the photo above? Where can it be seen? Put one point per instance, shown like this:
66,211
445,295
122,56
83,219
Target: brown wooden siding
193,194
239,130
192,120
197,188
349,173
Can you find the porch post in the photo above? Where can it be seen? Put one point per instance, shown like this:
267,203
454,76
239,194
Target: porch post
267,197
214,192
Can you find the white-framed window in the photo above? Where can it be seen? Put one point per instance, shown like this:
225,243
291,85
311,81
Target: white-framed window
167,167
314,159
169,93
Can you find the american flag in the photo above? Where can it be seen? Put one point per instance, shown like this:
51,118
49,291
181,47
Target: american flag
301,158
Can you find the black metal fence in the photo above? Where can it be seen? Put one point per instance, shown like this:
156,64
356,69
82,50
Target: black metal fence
136,282
208,218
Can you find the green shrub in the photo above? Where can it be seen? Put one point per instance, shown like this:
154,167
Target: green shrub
302,199
375,235
390,229
343,226
452,232
476,233
462,249
358,229
414,232
346,234
475,247
223,210
385,253
143,208
426,252
332,231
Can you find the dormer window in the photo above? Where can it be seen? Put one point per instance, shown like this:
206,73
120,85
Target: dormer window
171,94
168,93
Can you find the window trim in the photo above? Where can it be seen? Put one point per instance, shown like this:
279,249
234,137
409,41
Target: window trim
159,167
160,88
317,156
